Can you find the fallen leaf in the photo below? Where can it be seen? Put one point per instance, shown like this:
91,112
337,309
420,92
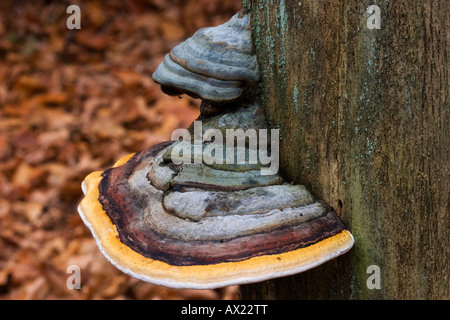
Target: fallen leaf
53,98
93,41
29,84
171,30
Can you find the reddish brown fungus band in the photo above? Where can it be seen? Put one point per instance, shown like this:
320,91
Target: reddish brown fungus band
124,208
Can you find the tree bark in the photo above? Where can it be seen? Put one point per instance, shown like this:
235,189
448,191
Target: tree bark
364,124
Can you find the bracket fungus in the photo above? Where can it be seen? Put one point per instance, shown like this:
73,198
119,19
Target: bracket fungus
204,224
215,64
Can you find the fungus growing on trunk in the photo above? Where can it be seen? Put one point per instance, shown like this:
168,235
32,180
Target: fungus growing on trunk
208,225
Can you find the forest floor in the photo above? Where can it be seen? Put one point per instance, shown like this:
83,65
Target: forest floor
73,102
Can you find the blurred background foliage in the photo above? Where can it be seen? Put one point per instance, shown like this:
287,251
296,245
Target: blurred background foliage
73,102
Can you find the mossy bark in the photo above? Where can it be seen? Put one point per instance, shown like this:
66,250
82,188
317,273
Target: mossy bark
364,124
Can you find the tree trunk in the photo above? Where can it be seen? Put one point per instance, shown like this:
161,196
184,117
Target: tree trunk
364,124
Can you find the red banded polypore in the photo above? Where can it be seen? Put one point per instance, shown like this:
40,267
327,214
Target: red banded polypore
208,225
194,237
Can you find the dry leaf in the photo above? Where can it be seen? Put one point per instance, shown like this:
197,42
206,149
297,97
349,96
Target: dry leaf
171,30
92,40
29,84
